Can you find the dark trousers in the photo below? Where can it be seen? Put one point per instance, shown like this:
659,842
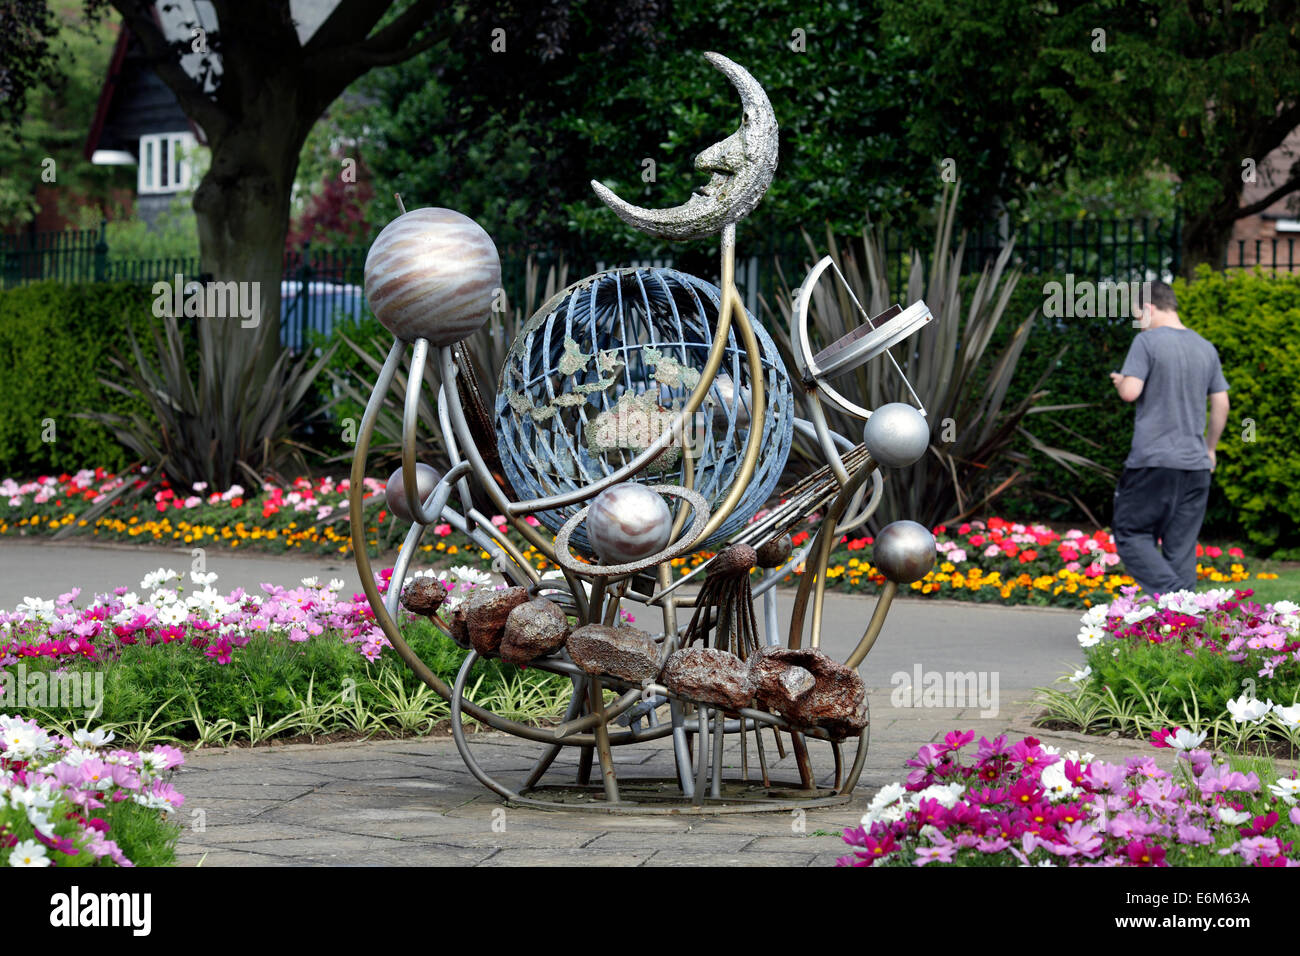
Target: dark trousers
1158,515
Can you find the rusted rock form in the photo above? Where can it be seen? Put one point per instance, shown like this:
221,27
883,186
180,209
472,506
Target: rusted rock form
485,612
709,676
533,629
835,702
424,596
776,552
623,652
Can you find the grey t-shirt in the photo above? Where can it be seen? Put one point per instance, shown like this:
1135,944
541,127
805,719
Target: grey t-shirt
1179,369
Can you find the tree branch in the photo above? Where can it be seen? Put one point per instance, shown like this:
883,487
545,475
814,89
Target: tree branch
1262,204
140,19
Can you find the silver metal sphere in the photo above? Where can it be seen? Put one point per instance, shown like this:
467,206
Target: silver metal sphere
904,551
426,479
628,522
896,435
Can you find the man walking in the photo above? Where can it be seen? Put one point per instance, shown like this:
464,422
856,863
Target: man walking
1161,496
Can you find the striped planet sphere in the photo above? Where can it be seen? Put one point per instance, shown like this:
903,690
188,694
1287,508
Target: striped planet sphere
628,522
432,274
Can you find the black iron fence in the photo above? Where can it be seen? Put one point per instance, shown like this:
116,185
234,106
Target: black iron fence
323,287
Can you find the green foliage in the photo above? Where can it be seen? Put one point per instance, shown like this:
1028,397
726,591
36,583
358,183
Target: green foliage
1254,321
231,419
173,235
276,688
59,103
54,339
514,138
1137,689
1115,91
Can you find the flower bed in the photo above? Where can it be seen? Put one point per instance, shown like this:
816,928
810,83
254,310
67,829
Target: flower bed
1010,562
1215,663
68,801
178,659
1025,804
308,514
994,561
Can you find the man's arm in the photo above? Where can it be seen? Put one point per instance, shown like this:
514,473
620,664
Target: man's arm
1128,386
1218,419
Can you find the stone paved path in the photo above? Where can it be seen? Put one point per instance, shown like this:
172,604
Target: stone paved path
412,802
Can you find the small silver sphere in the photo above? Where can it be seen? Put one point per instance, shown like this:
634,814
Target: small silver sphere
426,479
904,551
896,435
628,522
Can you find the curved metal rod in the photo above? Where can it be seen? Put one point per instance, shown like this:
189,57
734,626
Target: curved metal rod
821,551
434,505
481,472
809,430
410,419
829,451
385,620
883,601
453,450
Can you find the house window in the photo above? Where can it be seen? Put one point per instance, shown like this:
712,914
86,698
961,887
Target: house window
165,162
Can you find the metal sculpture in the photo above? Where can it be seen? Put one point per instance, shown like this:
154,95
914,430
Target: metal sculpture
641,415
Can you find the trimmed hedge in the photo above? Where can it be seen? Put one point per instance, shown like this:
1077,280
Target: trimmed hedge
1253,319
55,342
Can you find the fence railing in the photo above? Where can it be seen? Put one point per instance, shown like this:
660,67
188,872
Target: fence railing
322,287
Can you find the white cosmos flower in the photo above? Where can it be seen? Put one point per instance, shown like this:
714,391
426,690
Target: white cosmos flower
38,609
28,853
162,597
1288,789
1079,677
202,578
310,582
1095,614
1141,614
1248,710
1055,782
336,584
1185,740
468,575
1232,817
173,614
1289,715
1090,635
946,794
156,579
92,738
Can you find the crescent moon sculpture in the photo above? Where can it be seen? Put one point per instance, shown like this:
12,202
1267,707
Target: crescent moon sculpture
742,166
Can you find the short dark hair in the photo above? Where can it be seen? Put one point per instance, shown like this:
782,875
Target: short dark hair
1160,295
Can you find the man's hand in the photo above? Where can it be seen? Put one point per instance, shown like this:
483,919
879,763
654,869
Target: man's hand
1214,461
1128,386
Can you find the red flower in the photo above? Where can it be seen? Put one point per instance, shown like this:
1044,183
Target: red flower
1236,553
1027,556
1069,554
1214,551
964,528
236,502
799,538
1142,853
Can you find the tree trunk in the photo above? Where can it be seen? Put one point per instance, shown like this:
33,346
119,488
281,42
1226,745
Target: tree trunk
242,208
1205,237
